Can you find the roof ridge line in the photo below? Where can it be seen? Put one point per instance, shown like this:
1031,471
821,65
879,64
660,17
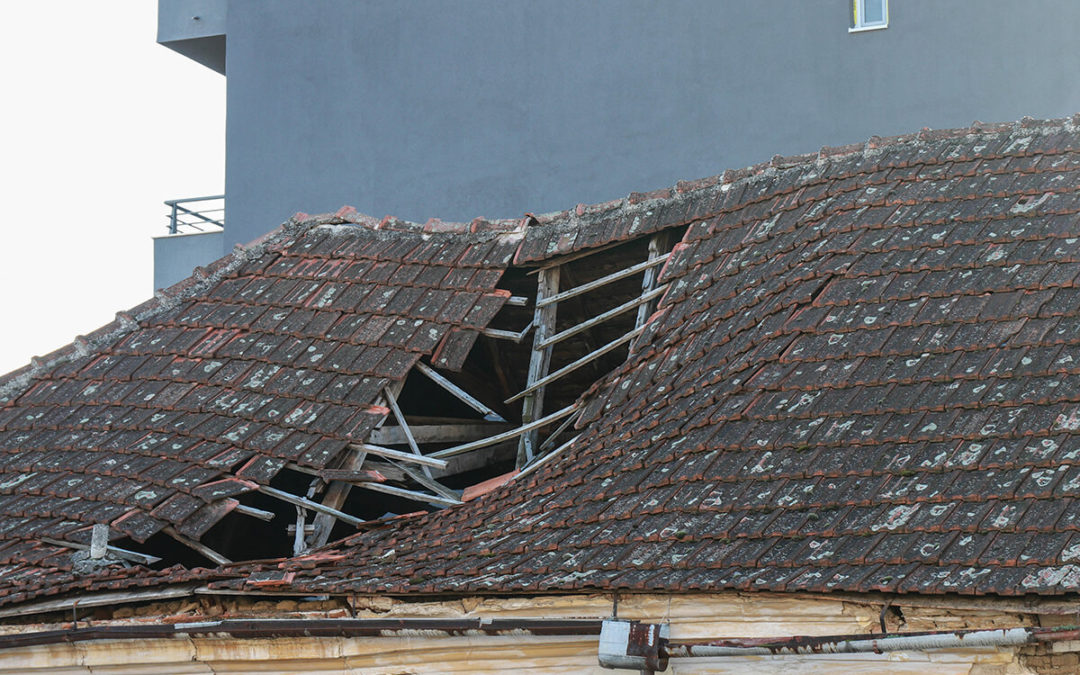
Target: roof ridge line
871,147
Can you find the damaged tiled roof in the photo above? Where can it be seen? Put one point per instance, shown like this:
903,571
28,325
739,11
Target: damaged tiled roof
865,376
275,354
861,378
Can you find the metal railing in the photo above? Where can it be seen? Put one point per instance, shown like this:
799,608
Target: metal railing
209,216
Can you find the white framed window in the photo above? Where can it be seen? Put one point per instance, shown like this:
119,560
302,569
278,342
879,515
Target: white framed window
869,15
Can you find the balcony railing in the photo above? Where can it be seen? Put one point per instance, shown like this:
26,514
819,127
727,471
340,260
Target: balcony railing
196,214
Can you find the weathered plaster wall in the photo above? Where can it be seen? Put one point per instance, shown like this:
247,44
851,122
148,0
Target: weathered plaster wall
729,614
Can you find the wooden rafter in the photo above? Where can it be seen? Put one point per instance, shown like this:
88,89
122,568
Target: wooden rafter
602,281
600,318
570,367
539,361
390,453
310,505
409,494
254,512
431,484
658,242
506,436
117,552
197,546
546,458
336,494
437,433
511,336
391,401
459,393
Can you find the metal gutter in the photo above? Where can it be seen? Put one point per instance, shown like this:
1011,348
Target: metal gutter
316,628
640,646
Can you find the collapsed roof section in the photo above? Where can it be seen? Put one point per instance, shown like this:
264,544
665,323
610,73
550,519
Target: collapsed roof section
852,373
232,417
862,377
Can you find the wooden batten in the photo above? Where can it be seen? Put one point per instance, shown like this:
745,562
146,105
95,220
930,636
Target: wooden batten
540,360
571,367
603,281
462,432
201,548
459,393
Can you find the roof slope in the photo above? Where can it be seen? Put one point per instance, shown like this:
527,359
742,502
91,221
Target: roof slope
860,378
272,355
864,377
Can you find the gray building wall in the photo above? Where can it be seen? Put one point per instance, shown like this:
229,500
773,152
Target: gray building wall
432,108
177,255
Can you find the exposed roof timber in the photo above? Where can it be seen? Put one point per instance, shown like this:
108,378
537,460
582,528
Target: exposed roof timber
544,317
508,335
543,459
403,424
661,241
311,505
601,318
603,281
335,497
390,453
116,551
254,512
437,433
570,367
199,547
514,433
459,393
409,494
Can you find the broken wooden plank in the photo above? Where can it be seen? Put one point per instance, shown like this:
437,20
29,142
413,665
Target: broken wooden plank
513,433
459,393
600,318
409,494
351,476
437,433
500,453
517,301
116,551
659,241
391,472
550,440
391,400
540,360
431,484
254,512
570,367
544,459
510,335
201,548
299,544
390,453
335,496
310,505
602,281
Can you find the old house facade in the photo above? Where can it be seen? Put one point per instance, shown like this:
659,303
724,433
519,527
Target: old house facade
829,395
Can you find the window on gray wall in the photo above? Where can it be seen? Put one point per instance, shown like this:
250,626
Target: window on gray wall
869,14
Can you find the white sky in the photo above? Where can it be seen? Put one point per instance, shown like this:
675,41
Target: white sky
98,125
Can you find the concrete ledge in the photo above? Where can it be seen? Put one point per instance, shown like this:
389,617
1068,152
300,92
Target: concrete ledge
194,28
